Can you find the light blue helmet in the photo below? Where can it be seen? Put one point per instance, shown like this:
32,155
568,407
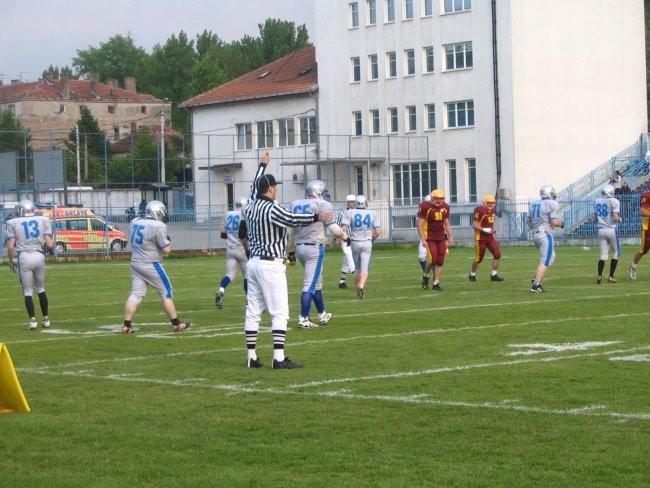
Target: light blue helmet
361,202
547,191
156,210
25,207
608,191
316,188
241,202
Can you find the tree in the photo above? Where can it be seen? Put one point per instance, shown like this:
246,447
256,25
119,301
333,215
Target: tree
13,137
114,59
91,147
280,37
56,72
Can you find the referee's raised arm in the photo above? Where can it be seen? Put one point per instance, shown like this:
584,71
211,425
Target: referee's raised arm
264,161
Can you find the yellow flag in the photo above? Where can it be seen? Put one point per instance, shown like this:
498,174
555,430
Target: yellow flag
12,398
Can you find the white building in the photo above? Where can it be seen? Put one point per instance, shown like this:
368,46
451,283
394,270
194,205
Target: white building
567,79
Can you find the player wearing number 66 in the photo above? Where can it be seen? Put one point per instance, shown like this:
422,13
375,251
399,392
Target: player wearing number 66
362,224
26,234
607,212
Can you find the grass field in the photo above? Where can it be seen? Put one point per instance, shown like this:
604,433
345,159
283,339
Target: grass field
484,384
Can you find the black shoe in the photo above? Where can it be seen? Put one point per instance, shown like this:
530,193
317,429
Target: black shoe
218,299
496,277
286,364
360,293
472,278
537,288
425,282
599,278
254,363
342,284
436,287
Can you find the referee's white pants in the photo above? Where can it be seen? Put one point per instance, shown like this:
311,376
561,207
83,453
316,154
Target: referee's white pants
267,290
348,260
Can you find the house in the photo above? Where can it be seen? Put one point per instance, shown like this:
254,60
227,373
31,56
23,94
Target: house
50,108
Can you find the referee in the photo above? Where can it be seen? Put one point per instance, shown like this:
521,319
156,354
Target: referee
267,224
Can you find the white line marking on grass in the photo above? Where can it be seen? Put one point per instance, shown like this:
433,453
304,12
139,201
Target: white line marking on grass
639,358
544,348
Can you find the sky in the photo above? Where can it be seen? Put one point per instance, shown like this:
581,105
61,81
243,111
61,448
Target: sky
38,33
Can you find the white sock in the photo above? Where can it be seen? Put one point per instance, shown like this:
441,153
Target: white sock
494,272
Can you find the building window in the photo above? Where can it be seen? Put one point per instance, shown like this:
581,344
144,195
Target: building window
452,180
265,134
287,133
357,123
414,181
458,56
460,114
143,109
373,67
457,5
471,179
391,64
393,125
427,8
244,136
411,118
408,9
430,109
359,175
409,62
390,10
428,59
354,14
307,130
355,65
116,132
12,108
111,109
372,11
374,121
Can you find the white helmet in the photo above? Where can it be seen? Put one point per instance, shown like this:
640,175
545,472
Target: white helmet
156,210
608,191
547,191
427,197
25,207
316,188
241,202
361,202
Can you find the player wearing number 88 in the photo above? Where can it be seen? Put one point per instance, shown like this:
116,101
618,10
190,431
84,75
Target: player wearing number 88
362,224
607,213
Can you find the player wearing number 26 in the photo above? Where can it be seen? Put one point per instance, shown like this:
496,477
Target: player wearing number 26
607,213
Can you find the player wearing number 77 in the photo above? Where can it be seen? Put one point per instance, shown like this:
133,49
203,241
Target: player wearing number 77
542,218
607,213
26,233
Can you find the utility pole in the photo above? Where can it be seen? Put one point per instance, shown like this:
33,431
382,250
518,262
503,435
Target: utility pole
76,129
162,144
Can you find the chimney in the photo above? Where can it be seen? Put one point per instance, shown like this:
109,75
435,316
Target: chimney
112,83
65,87
94,79
129,84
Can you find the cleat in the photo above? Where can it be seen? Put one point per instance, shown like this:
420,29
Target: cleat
599,279
436,287
45,323
537,288
324,318
342,284
128,330
33,325
611,279
286,364
633,272
182,326
218,299
361,294
496,277
425,282
472,278
254,363
306,323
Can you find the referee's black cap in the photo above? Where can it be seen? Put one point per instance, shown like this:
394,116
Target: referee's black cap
265,182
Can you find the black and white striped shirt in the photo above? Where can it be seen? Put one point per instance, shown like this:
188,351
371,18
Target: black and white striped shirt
267,223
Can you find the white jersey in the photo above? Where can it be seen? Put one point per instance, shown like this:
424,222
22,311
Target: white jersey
541,212
313,233
147,237
604,209
361,222
233,219
29,232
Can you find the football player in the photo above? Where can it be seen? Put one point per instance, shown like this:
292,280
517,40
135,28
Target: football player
644,211
607,213
435,232
484,237
236,252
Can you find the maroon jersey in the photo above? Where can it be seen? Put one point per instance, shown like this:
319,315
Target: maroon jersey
485,218
645,203
434,218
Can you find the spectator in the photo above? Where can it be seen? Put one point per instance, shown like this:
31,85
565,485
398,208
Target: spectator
616,180
624,195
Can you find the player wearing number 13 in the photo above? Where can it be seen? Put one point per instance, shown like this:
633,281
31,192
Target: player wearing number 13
26,233
542,218
607,213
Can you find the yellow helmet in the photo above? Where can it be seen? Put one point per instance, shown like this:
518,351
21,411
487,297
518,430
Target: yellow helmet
437,194
489,201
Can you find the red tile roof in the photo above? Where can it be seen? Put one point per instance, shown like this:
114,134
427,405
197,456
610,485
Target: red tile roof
79,90
292,74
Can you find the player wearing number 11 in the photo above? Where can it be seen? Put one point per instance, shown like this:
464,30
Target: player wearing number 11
607,213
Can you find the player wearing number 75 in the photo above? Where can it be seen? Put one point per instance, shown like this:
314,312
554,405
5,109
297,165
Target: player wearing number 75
542,218
26,233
